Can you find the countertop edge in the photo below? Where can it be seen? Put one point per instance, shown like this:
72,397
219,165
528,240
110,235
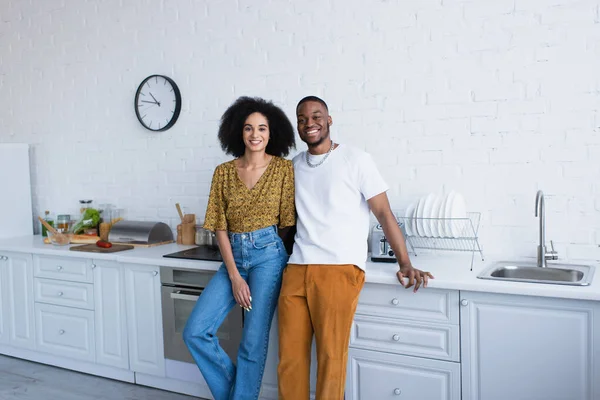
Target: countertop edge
452,272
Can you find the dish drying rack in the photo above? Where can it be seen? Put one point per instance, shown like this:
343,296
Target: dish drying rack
460,234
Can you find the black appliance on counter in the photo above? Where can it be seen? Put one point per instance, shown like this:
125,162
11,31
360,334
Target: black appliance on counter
204,253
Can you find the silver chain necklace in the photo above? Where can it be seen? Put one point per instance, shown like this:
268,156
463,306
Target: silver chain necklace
322,160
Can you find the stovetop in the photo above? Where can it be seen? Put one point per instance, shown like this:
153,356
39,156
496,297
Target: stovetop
204,253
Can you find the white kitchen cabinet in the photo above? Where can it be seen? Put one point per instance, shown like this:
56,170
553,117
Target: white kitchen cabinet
65,331
110,314
269,381
521,347
63,268
15,201
144,319
411,338
404,345
19,314
3,299
393,301
381,376
64,293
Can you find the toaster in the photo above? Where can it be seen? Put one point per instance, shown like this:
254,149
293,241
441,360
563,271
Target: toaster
381,251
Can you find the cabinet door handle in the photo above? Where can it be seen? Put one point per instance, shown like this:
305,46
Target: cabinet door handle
395,301
396,338
397,392
154,273
59,294
61,332
464,302
59,267
93,266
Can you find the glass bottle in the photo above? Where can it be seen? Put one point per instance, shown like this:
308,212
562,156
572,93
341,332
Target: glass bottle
84,205
62,223
50,222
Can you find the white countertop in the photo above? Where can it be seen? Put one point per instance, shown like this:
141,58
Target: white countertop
451,270
138,255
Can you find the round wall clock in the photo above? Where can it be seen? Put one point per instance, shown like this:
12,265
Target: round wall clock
157,103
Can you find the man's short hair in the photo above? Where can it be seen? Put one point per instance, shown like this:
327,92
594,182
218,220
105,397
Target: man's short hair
312,98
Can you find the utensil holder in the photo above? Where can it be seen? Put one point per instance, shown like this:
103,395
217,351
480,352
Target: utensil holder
179,236
188,229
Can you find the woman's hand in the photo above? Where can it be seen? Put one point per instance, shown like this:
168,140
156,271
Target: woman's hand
241,292
239,287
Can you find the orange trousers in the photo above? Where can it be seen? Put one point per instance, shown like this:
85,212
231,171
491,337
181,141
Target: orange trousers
321,300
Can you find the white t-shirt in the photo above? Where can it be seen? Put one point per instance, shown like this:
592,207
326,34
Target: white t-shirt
331,202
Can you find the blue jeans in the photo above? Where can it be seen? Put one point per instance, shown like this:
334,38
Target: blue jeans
260,258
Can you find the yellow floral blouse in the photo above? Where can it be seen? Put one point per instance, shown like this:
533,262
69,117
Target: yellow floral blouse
235,208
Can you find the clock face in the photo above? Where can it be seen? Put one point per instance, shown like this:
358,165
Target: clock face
157,103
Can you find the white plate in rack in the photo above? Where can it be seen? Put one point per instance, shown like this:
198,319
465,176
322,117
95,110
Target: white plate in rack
448,214
419,215
408,215
458,212
427,211
414,219
441,215
436,210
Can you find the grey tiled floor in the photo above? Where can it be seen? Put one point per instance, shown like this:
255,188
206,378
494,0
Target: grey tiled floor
25,380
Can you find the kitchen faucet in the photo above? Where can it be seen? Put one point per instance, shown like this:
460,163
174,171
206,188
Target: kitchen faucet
542,254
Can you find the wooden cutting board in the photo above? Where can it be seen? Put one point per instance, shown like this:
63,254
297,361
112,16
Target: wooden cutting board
95,249
79,239
143,245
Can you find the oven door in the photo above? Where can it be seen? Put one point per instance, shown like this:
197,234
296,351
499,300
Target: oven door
177,305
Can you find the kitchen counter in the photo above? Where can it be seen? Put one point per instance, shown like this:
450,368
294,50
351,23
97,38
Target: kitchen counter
451,270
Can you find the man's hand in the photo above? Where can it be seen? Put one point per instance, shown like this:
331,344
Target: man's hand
415,277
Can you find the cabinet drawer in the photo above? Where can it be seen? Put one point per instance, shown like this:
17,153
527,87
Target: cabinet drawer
68,269
63,293
65,331
421,339
374,375
393,301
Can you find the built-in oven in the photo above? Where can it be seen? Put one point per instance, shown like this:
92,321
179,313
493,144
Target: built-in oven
180,290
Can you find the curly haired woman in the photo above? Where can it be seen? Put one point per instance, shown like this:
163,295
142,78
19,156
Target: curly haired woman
250,197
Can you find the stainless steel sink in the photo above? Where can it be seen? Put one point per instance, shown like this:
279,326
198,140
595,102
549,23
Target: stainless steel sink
541,271
558,274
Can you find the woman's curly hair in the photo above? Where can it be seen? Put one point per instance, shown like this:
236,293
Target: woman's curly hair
281,137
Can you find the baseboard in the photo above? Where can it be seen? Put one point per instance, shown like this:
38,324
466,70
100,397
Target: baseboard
174,385
67,363
268,392
271,392
196,388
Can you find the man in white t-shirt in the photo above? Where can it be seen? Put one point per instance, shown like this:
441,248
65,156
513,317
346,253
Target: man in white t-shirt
336,187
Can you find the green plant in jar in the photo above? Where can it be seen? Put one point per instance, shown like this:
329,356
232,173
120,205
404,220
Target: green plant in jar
50,222
89,219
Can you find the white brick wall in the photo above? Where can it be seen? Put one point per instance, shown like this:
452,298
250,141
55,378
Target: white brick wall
493,98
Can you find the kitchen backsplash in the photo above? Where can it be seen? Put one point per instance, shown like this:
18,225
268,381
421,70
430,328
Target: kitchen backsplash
493,98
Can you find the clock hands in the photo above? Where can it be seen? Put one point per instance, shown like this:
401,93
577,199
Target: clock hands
156,101
149,106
